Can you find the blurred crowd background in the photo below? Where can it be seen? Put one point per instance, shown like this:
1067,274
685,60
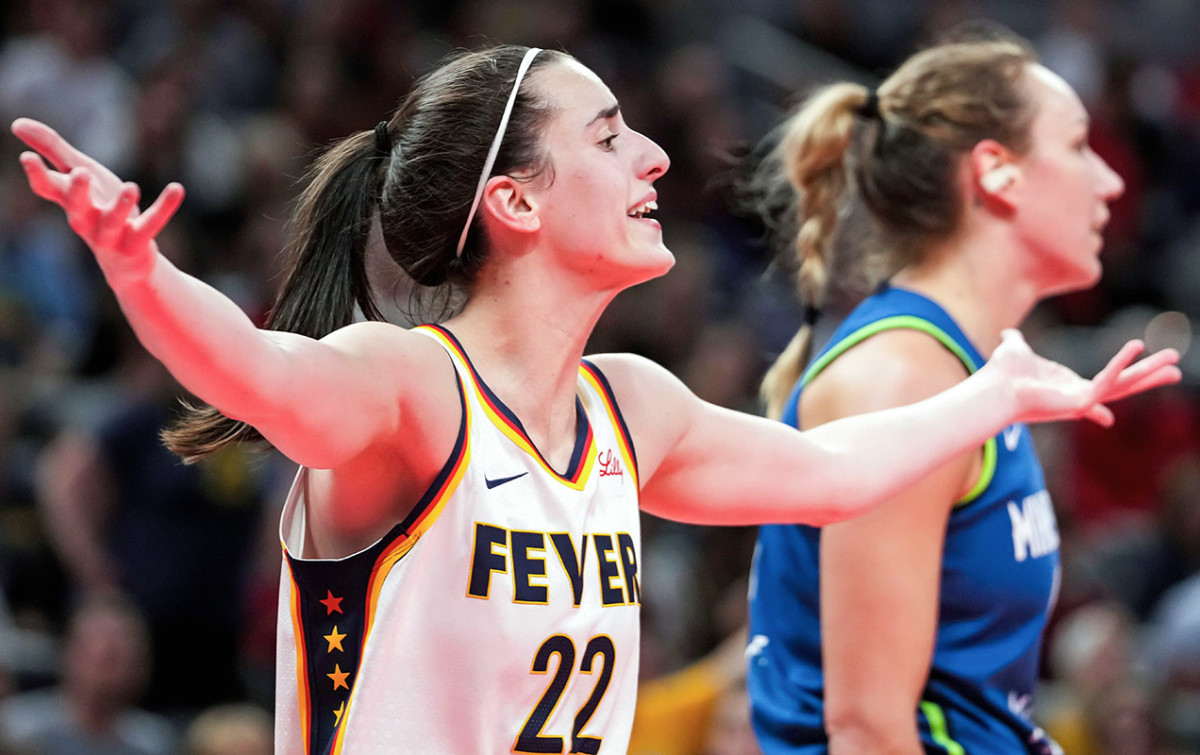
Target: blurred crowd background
137,596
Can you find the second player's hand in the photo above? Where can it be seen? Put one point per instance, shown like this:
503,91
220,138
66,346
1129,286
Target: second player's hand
100,207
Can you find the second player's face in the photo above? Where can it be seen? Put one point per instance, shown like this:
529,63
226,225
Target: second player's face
595,211
1067,189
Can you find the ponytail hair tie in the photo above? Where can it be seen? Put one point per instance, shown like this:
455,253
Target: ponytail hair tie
811,315
383,140
870,108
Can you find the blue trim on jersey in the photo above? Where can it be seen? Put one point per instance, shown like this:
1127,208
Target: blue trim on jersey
431,493
612,400
343,583
998,575
581,418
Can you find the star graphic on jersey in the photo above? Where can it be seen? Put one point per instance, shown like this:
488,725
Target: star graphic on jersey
339,677
331,603
337,714
335,640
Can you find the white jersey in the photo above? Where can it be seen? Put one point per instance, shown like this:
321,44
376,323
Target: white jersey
501,616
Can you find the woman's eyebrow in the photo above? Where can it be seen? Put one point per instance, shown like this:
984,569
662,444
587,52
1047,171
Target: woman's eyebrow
605,114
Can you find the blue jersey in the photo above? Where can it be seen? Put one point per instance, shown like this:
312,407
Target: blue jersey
998,583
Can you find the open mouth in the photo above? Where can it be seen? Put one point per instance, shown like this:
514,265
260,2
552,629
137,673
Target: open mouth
643,209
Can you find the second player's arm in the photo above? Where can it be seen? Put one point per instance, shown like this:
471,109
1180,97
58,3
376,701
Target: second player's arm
880,572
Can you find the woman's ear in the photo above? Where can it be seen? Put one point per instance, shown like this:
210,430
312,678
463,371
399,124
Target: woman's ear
997,179
507,203
993,168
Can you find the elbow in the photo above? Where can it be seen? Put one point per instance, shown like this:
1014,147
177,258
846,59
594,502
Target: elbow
845,503
857,729
844,490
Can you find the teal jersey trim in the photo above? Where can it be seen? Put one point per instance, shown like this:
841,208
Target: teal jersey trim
911,322
938,729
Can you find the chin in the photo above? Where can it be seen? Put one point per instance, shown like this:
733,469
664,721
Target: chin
659,268
1076,279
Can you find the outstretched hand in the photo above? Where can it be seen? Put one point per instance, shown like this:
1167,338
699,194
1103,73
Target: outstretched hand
100,207
1047,391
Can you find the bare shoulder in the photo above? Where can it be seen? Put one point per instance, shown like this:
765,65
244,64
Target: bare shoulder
409,378
399,380
384,340
656,405
638,382
892,368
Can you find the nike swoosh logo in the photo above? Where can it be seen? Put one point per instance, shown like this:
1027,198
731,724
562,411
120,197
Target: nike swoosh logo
500,481
1012,436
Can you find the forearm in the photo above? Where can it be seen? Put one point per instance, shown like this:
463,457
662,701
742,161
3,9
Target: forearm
74,496
202,337
875,737
870,457
735,469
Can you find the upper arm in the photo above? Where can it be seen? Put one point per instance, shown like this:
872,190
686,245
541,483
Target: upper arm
880,571
356,389
702,463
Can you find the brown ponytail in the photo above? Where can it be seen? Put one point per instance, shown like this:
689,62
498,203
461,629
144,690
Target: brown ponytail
811,157
418,173
903,171
326,284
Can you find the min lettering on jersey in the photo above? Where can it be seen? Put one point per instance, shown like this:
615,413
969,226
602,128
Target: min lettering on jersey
1034,531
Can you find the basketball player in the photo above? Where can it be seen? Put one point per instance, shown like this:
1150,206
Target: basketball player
462,541
916,628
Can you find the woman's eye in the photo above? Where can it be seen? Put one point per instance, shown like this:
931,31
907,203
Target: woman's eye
608,142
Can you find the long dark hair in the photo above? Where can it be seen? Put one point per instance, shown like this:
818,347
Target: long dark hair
419,173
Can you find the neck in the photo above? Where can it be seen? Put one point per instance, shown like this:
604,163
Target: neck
978,279
525,332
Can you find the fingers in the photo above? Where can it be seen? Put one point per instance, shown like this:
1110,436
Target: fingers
1120,378
1100,414
148,225
40,181
1107,377
64,158
49,144
100,223
1152,363
1156,370
115,218
1166,375
1012,339
81,213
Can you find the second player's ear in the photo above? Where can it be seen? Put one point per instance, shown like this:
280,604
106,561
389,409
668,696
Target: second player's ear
506,202
999,178
993,168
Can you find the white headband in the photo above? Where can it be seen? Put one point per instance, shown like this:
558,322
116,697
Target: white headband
530,54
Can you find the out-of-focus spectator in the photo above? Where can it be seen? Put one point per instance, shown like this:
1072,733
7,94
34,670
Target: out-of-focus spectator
1138,562
695,711
1090,652
231,729
60,70
1118,477
729,729
1171,648
128,517
105,659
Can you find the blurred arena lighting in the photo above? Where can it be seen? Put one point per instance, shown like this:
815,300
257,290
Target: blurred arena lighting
1169,330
